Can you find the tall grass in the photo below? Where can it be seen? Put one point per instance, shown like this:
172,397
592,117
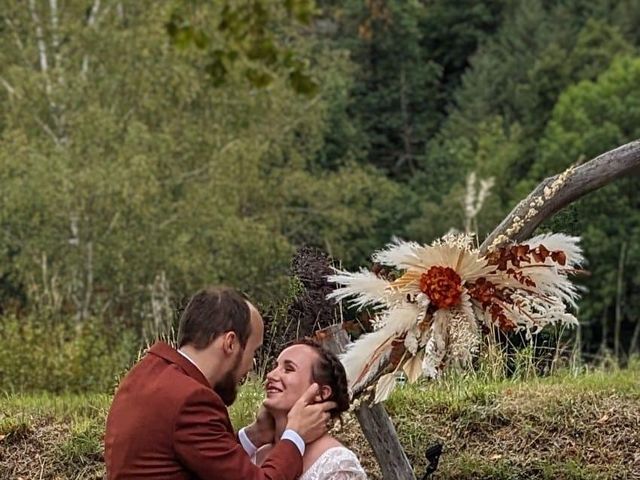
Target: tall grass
55,355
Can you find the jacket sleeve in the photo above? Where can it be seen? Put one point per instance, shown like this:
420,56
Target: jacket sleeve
206,445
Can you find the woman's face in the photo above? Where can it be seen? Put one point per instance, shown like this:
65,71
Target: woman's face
290,378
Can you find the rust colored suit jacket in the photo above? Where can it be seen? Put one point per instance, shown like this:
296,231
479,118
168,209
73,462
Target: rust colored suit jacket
166,422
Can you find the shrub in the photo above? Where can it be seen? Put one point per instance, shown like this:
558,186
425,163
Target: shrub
58,356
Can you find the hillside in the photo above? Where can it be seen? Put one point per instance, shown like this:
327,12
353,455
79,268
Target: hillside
562,427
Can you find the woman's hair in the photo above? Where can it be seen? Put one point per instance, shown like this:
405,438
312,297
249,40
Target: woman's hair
328,370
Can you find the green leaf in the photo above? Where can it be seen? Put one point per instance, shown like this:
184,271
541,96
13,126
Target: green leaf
259,78
216,68
303,83
265,50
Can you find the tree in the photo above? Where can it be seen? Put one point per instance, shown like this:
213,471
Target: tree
410,56
127,174
591,117
240,35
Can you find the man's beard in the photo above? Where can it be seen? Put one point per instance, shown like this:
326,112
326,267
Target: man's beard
227,386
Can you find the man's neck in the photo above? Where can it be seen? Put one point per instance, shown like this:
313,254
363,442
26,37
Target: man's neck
192,356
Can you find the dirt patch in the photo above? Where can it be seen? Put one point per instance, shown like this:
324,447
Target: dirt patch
40,451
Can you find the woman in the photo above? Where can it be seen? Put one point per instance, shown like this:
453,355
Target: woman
297,367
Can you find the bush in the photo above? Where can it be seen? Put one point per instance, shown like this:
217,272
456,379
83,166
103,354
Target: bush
57,356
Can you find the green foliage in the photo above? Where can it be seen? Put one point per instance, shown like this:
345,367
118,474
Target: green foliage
104,194
238,35
150,148
84,443
243,411
51,356
411,56
517,76
589,118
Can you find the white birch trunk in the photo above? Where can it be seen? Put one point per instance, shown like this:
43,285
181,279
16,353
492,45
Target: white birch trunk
91,21
55,34
42,47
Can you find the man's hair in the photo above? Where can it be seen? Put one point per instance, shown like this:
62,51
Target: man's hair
212,312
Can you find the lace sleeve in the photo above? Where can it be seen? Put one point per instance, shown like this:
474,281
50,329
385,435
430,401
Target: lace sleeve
337,463
360,475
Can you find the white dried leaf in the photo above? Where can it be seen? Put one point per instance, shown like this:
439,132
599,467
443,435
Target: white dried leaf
413,367
385,386
411,342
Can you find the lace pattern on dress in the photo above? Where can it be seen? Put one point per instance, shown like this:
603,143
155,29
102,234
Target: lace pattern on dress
336,463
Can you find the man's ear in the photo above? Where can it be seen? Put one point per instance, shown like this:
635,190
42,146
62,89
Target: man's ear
230,342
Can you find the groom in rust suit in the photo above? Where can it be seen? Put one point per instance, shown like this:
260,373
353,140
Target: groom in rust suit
169,418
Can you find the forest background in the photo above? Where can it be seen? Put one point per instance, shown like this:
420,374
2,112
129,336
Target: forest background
150,148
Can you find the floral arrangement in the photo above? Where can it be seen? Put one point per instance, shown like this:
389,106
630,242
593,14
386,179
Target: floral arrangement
431,303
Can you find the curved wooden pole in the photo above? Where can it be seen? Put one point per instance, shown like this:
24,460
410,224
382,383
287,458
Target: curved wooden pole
596,173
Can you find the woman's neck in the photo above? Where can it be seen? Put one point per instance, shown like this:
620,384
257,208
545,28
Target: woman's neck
280,425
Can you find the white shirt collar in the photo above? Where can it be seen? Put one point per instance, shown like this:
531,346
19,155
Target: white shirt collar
191,360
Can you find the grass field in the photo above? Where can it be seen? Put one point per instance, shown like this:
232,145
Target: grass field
565,426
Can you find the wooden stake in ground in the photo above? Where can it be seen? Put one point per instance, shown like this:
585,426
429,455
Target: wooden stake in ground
374,421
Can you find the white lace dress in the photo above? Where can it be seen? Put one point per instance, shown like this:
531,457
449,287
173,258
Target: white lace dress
336,463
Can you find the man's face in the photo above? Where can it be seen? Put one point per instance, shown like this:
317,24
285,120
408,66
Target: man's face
254,342
227,387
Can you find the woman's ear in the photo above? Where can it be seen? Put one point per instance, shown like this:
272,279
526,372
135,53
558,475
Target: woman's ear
324,393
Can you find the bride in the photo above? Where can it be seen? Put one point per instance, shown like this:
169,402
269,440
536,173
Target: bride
297,367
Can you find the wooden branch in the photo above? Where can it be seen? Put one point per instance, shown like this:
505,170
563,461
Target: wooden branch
7,85
48,131
596,173
93,13
55,33
374,420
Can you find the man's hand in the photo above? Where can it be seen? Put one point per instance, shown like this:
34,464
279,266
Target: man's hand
307,418
262,430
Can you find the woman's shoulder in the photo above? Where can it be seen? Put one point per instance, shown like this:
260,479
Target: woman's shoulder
333,458
317,448
326,443
341,454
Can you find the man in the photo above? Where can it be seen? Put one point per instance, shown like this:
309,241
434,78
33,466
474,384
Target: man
169,420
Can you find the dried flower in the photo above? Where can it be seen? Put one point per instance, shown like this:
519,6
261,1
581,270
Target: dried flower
442,285
433,310
517,223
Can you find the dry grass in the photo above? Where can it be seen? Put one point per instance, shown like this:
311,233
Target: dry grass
562,427
52,437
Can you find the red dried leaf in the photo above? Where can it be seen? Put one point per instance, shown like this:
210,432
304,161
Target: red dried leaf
559,257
